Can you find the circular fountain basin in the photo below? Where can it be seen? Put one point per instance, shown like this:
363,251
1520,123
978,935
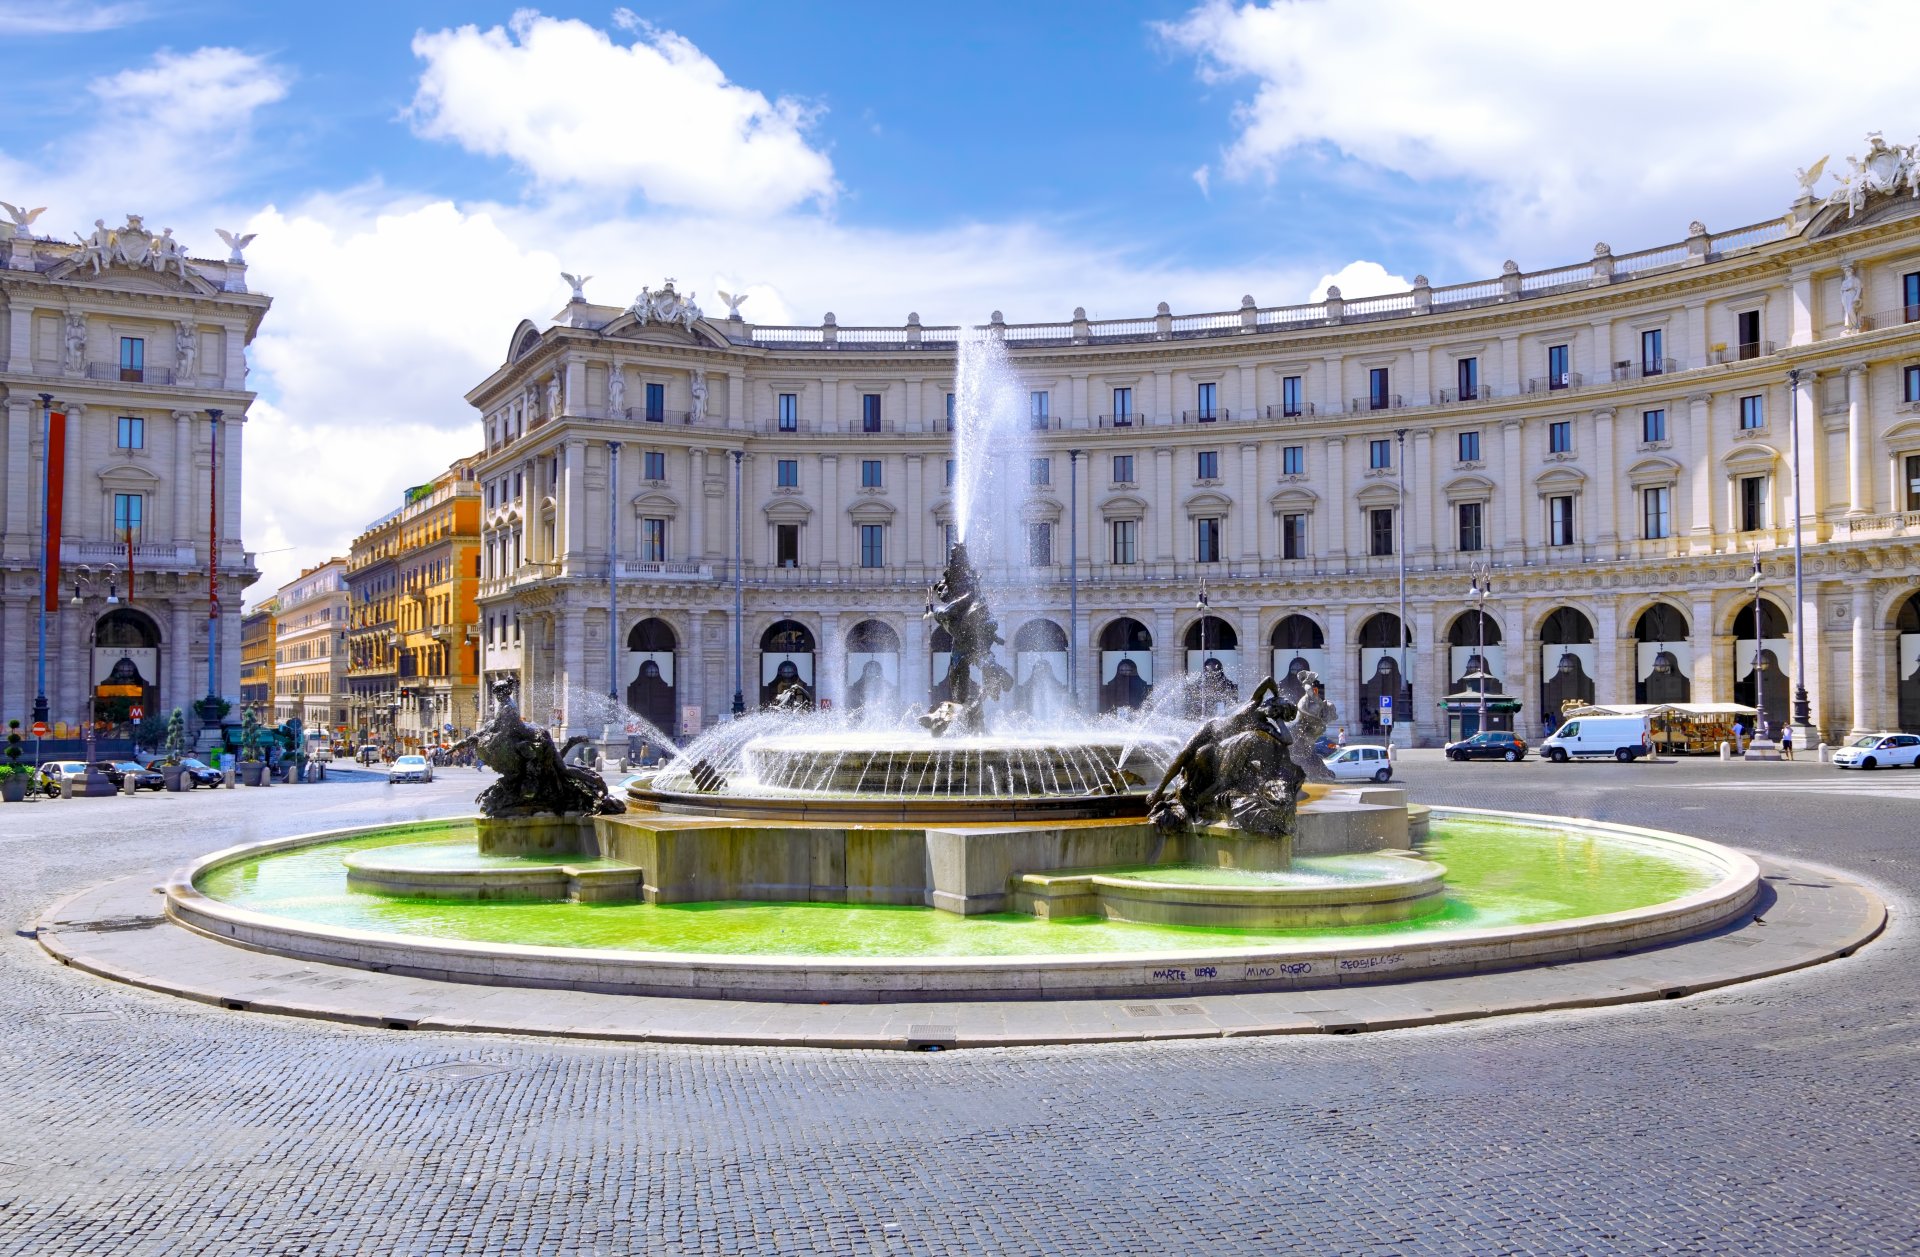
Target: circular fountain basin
1520,890
1328,891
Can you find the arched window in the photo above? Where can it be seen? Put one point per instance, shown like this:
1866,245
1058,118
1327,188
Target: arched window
1476,659
1568,663
1761,679
786,663
1907,664
1126,665
1663,657
1383,674
1040,669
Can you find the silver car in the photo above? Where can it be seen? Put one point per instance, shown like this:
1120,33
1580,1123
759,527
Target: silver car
410,768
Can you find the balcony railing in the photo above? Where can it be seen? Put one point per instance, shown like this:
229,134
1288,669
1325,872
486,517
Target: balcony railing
1894,524
129,375
1298,410
1556,383
1376,401
1219,414
1639,371
1131,419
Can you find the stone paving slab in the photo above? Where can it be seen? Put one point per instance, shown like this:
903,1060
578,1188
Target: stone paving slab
1806,915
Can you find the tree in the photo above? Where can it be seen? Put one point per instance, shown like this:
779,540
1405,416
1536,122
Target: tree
150,731
176,736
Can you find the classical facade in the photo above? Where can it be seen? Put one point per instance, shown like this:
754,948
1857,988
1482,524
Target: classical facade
310,649
125,360
1614,441
413,649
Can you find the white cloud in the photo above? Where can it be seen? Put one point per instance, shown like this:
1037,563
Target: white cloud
1204,177
1545,128
65,17
567,103
1360,279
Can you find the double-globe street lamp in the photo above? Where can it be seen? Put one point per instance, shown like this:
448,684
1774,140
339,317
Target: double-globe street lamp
1480,588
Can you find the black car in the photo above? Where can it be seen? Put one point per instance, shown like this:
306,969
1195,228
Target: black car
1492,744
116,770
197,773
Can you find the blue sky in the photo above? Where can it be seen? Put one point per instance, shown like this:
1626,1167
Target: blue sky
419,173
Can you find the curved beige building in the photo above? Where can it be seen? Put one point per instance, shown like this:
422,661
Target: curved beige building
1615,438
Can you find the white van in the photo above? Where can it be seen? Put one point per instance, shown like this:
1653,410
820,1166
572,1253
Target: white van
1623,737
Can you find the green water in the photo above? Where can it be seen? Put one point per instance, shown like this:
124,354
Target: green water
459,853
1498,874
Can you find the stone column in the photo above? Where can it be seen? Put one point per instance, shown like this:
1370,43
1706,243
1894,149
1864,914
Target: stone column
1342,657
1429,676
1801,313
22,535
573,545
1599,517
181,685
1164,508
16,669
570,678
1707,644
1333,512
1859,449
1248,507
1701,485
833,521
1812,485
1514,491
913,553
830,681
1608,685
1169,658
915,669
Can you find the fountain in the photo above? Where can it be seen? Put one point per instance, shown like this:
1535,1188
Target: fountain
783,822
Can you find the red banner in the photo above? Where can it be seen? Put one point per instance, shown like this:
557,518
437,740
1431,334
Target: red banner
56,460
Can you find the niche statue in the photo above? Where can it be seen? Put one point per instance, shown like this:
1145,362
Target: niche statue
534,780
956,604
1238,769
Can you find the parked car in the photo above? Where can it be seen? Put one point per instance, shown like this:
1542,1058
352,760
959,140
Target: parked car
1493,744
410,768
47,780
1361,762
116,770
1880,750
199,773
368,754
321,754
1625,738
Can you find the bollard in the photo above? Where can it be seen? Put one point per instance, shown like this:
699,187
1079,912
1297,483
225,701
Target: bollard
1726,752
66,785
1823,751
228,771
128,784
266,775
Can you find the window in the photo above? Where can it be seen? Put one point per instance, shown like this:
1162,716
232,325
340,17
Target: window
1470,446
870,412
1380,531
950,466
1206,539
1123,408
1560,436
133,358
1913,482
1123,469
1293,460
1653,425
1560,521
1377,389
1753,503
1204,403
656,465
653,540
1652,352
1207,465
133,431
1379,455
786,473
1037,416
1040,544
127,510
1290,400
786,545
950,413
1752,414
789,412
1656,513
869,473
1293,536
1909,386
873,547
1472,525
1748,323
1467,376
1910,291
1557,374
656,411
1126,534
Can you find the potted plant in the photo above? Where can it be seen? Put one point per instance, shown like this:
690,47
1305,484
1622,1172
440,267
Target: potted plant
14,775
213,709
250,765
176,746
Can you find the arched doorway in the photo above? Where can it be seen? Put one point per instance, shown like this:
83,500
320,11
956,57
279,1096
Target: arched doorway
126,666
1759,666
1298,646
1386,696
649,674
873,668
1476,655
1663,657
1907,664
1213,665
1126,665
1569,661
786,661
1040,669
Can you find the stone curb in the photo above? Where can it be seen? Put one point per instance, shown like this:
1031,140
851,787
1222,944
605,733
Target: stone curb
1808,915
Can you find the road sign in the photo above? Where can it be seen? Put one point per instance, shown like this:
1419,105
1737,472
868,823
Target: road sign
137,713
1386,710
39,728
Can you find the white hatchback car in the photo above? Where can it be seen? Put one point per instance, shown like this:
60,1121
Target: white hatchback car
1362,763
410,768
1880,750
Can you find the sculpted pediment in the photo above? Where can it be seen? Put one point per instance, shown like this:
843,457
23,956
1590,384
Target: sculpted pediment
1124,506
123,475
133,259
656,501
1293,500
1655,470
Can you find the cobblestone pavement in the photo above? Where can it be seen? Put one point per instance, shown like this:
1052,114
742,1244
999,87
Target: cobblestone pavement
1778,1116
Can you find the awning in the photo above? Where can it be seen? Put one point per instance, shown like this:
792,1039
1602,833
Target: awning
1688,710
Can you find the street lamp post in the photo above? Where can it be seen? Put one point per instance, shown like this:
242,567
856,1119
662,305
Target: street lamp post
213,560
739,689
87,582
1802,709
1073,575
1480,589
41,711
613,573
1759,639
1400,549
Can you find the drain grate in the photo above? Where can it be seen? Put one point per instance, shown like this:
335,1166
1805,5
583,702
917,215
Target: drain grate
456,1071
930,1035
85,1015
1142,1010
1185,1010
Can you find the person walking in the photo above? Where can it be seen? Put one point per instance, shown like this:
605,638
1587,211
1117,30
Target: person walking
1786,743
1739,737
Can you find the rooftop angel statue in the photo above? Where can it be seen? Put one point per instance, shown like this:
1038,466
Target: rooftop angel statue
1810,176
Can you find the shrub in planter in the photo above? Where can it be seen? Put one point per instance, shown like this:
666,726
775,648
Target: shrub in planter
14,775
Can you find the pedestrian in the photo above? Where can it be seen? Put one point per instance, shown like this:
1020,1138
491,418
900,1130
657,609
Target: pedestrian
1739,733
1786,744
